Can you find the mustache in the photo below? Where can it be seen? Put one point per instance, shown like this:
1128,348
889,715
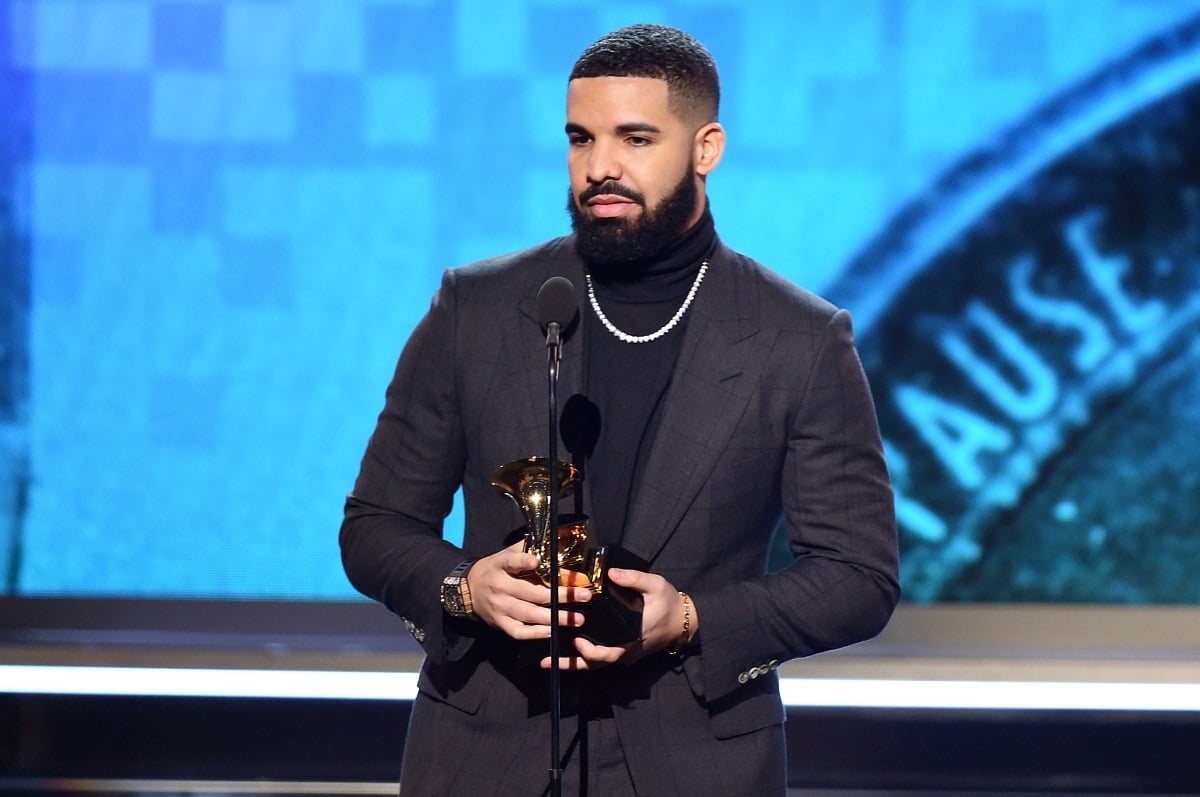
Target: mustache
613,188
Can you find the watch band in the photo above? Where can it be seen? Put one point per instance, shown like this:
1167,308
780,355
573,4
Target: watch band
456,591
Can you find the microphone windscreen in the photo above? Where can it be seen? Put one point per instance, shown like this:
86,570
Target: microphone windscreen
556,302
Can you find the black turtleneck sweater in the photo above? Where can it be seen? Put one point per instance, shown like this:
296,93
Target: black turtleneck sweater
626,382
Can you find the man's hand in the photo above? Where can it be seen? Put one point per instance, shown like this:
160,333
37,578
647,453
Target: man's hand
662,624
516,606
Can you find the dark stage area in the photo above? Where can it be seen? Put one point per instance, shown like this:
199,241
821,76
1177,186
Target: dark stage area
352,746
946,701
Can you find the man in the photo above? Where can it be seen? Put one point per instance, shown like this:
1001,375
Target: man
708,399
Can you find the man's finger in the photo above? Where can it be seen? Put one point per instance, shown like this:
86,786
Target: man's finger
523,632
572,664
600,654
634,579
574,594
517,562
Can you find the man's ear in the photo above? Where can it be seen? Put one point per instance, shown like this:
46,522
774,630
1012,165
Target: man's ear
709,145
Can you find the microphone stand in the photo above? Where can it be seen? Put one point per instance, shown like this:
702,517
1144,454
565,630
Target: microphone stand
553,355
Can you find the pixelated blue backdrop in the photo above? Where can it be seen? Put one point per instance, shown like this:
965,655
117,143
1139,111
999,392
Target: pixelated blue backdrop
219,221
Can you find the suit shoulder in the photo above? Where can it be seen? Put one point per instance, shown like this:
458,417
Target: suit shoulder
780,297
542,258
504,282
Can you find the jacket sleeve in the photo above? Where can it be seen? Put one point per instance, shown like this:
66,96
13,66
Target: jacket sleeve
838,509
391,535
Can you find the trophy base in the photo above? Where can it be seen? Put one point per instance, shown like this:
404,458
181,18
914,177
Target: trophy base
613,616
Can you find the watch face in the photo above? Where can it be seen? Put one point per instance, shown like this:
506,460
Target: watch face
452,598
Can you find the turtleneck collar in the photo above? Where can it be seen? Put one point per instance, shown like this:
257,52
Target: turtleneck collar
677,263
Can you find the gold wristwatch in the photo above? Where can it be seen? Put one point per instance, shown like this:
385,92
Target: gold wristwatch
456,593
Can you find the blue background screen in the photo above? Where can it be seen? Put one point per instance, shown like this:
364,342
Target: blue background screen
220,220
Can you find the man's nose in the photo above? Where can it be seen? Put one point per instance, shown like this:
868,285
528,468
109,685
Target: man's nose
603,163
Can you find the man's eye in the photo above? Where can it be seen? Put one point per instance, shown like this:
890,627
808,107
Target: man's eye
638,141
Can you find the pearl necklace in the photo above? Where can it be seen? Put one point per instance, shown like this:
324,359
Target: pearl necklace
625,337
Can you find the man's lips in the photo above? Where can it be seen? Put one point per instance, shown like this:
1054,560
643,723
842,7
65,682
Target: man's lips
608,206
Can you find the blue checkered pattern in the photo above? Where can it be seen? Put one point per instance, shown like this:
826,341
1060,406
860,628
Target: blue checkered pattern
237,209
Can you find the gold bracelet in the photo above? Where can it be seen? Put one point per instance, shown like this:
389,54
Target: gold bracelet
687,624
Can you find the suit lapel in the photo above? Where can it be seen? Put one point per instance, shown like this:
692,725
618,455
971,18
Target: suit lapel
712,383
710,388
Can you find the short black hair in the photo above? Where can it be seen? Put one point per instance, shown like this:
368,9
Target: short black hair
657,51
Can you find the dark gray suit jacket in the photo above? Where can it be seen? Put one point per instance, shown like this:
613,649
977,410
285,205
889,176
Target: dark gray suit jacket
768,417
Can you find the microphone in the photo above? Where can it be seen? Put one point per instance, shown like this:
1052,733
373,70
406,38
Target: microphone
556,307
556,310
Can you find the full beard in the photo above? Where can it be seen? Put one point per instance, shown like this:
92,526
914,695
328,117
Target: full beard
617,248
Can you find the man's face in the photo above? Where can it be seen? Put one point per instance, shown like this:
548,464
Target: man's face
633,181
